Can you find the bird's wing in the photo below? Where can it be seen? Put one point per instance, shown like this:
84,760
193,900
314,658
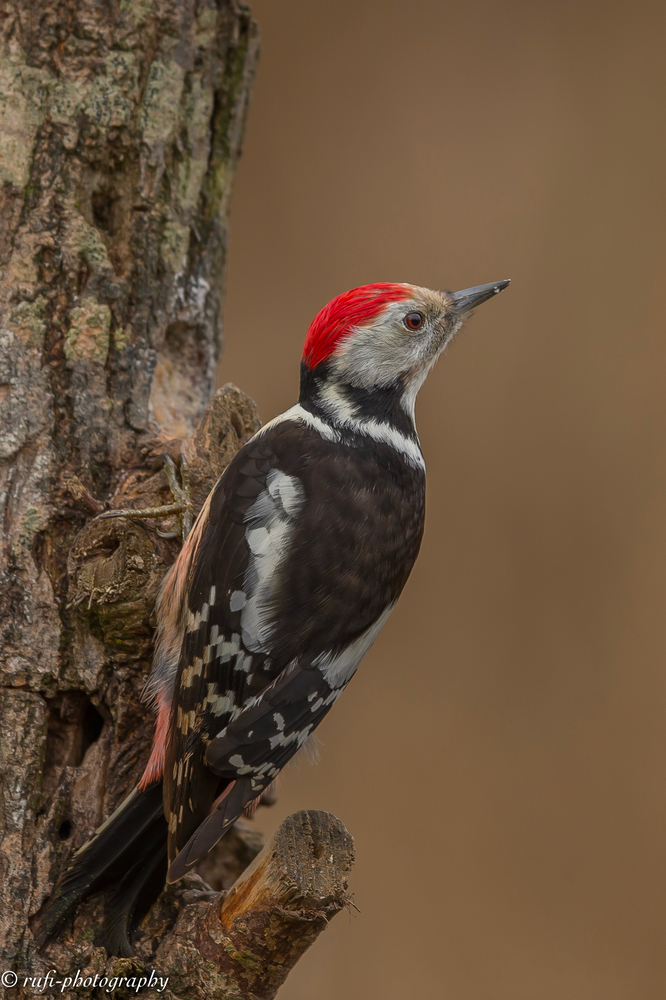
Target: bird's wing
298,562
218,671
253,749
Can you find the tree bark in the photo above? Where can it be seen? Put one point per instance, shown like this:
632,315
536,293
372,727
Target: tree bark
120,127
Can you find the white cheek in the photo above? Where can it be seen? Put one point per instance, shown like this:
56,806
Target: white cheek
376,357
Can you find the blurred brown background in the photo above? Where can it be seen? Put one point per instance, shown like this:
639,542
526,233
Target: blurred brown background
501,755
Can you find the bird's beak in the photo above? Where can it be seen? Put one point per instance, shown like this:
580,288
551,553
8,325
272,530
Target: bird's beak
468,298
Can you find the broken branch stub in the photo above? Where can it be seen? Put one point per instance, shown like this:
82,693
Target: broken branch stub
254,935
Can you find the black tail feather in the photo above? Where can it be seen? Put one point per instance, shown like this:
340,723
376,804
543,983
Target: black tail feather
227,809
127,852
135,893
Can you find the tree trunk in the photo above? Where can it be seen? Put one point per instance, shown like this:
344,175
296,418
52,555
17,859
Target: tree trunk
120,127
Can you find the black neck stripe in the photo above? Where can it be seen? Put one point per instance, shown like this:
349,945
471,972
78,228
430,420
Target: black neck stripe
382,404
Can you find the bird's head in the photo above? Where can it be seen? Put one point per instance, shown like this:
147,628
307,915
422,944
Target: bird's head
384,338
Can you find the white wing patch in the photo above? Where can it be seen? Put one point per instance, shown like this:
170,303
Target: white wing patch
270,522
338,670
237,600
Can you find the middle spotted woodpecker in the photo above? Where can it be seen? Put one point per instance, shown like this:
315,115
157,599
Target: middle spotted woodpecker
293,566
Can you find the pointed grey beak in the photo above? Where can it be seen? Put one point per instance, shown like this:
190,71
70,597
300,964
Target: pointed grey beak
469,298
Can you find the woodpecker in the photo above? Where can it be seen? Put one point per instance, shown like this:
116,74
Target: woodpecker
291,569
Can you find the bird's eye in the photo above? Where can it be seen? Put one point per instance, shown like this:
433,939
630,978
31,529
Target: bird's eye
414,321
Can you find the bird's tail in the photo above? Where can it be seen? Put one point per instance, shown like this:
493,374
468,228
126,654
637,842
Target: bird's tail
128,853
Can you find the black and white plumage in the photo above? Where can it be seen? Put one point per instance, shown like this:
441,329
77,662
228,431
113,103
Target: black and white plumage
292,568
319,540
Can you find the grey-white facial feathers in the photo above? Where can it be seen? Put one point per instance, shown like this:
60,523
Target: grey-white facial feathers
386,352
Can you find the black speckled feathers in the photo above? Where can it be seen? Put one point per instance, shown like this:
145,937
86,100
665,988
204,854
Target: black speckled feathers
307,545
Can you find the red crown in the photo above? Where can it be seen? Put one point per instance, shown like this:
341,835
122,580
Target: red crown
337,319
